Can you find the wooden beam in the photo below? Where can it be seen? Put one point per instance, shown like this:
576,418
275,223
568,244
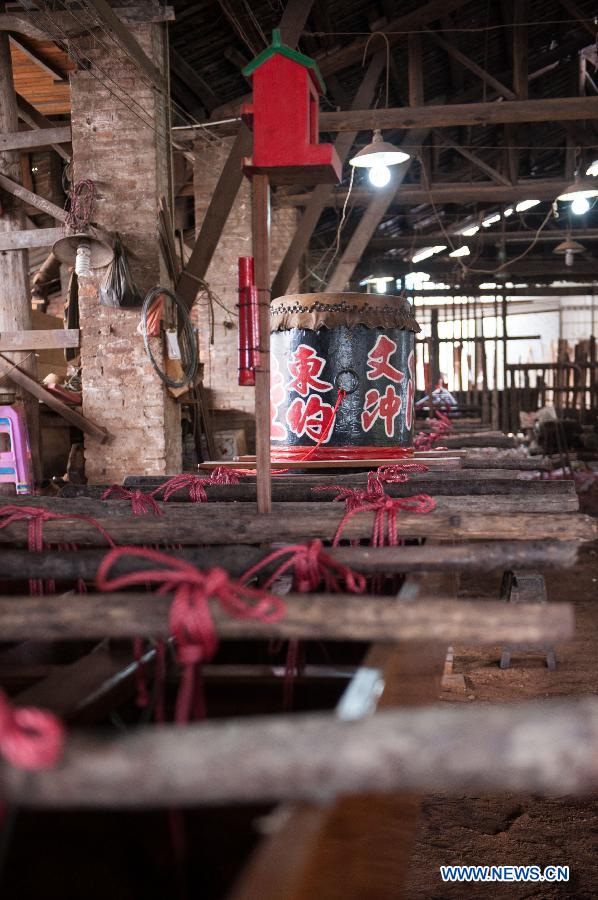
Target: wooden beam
17,190
416,74
40,393
554,109
520,49
39,339
576,13
215,218
323,192
260,230
309,616
21,23
34,56
293,20
452,748
528,267
375,212
395,30
214,523
242,26
129,44
449,192
489,556
15,299
484,236
472,158
449,497
76,25
468,63
32,117
190,77
30,140
32,237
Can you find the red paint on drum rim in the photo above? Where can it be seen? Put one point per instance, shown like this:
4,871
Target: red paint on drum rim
298,453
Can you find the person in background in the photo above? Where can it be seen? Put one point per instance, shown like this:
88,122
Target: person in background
441,397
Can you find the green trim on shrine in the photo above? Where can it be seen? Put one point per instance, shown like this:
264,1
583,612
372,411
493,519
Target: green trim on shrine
284,50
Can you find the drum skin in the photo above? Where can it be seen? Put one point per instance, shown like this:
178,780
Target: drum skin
373,365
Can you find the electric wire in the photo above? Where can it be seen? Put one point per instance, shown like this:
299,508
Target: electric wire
455,29
86,63
187,343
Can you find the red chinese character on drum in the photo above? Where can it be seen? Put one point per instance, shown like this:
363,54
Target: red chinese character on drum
385,406
312,418
410,391
277,396
305,367
379,361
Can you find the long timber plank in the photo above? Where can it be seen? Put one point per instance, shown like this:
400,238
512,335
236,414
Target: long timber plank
216,523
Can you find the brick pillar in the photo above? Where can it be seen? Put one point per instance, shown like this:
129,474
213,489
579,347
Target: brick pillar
128,160
221,359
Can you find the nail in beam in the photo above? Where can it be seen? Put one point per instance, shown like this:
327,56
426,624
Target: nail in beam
236,559
546,747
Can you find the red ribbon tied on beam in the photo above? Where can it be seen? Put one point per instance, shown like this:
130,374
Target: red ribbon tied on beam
311,567
190,619
30,738
141,504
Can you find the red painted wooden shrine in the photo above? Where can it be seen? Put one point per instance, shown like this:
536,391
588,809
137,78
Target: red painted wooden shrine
284,118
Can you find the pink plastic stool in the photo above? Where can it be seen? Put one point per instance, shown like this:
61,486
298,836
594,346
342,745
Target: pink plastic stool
15,463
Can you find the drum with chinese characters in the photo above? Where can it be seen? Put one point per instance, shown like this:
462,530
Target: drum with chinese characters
342,376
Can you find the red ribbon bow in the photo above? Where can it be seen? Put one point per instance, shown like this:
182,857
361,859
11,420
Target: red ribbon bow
386,508
141,503
311,566
30,738
190,620
196,484
35,516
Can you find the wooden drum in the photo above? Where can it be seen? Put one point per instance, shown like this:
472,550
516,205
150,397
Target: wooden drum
342,376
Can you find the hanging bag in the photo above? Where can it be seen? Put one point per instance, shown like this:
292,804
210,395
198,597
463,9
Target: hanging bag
118,288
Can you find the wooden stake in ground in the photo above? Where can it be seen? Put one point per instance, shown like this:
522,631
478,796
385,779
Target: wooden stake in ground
261,254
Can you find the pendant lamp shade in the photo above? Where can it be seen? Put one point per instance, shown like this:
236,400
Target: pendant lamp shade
378,153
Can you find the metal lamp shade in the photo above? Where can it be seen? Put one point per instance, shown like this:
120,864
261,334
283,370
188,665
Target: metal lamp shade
378,153
65,249
568,246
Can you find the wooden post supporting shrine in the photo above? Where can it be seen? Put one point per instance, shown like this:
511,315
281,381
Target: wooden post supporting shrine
15,303
261,253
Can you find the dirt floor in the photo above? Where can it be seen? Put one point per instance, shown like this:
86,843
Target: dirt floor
509,829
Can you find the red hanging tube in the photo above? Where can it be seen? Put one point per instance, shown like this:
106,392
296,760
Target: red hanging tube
247,322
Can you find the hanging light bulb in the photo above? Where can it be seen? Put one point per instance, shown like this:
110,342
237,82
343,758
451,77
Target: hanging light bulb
580,206
579,194
377,157
569,249
379,175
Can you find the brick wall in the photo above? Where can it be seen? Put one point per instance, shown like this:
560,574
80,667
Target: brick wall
128,162
220,358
